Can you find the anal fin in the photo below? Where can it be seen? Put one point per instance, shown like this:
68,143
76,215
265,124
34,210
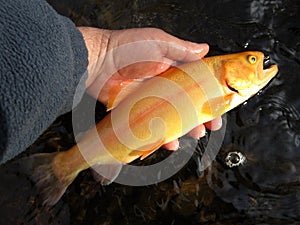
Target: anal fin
152,148
106,173
147,153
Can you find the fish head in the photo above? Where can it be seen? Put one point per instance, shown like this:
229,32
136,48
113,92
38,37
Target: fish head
243,75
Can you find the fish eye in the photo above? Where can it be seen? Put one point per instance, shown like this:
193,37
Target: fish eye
252,59
234,159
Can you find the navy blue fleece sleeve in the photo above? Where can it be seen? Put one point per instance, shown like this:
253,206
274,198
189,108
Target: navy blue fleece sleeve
43,58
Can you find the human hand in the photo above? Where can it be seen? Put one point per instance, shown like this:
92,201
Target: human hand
120,58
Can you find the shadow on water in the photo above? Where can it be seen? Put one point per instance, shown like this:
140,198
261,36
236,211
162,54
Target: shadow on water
264,132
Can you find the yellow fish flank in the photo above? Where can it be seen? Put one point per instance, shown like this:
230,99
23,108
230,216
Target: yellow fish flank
162,109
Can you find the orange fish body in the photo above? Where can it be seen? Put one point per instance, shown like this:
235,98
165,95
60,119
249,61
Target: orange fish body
162,109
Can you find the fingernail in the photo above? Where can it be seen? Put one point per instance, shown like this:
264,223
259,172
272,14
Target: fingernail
176,146
197,51
203,48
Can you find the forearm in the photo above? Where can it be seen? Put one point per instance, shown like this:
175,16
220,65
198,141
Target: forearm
43,57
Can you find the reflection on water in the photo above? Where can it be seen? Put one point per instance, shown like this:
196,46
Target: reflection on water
263,190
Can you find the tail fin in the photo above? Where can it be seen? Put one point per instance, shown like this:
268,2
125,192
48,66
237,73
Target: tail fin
39,168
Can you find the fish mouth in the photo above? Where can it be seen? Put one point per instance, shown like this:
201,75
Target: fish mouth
267,63
231,88
268,67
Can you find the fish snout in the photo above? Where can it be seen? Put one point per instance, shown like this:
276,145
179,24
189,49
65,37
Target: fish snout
271,71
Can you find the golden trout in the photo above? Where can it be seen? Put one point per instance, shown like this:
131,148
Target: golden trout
162,109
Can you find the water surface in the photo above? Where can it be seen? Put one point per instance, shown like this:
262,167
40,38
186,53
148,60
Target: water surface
266,130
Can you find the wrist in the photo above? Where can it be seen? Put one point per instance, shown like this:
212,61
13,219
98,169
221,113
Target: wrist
96,41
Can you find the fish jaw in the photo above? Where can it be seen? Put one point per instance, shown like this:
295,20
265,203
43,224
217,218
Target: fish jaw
268,74
244,95
242,75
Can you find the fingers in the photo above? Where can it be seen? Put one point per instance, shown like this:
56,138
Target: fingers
174,48
144,69
199,131
171,146
215,124
196,133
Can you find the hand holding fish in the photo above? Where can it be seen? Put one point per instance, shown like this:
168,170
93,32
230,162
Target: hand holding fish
108,63
152,111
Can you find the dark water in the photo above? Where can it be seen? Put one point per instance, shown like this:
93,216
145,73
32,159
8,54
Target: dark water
266,130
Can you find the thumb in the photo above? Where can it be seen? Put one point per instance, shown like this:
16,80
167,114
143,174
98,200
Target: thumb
177,49
186,51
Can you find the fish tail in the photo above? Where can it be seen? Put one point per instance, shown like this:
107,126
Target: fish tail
49,185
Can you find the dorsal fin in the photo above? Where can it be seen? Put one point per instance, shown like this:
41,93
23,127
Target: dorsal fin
111,171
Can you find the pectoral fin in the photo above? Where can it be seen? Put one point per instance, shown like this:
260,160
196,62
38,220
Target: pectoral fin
118,93
217,106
